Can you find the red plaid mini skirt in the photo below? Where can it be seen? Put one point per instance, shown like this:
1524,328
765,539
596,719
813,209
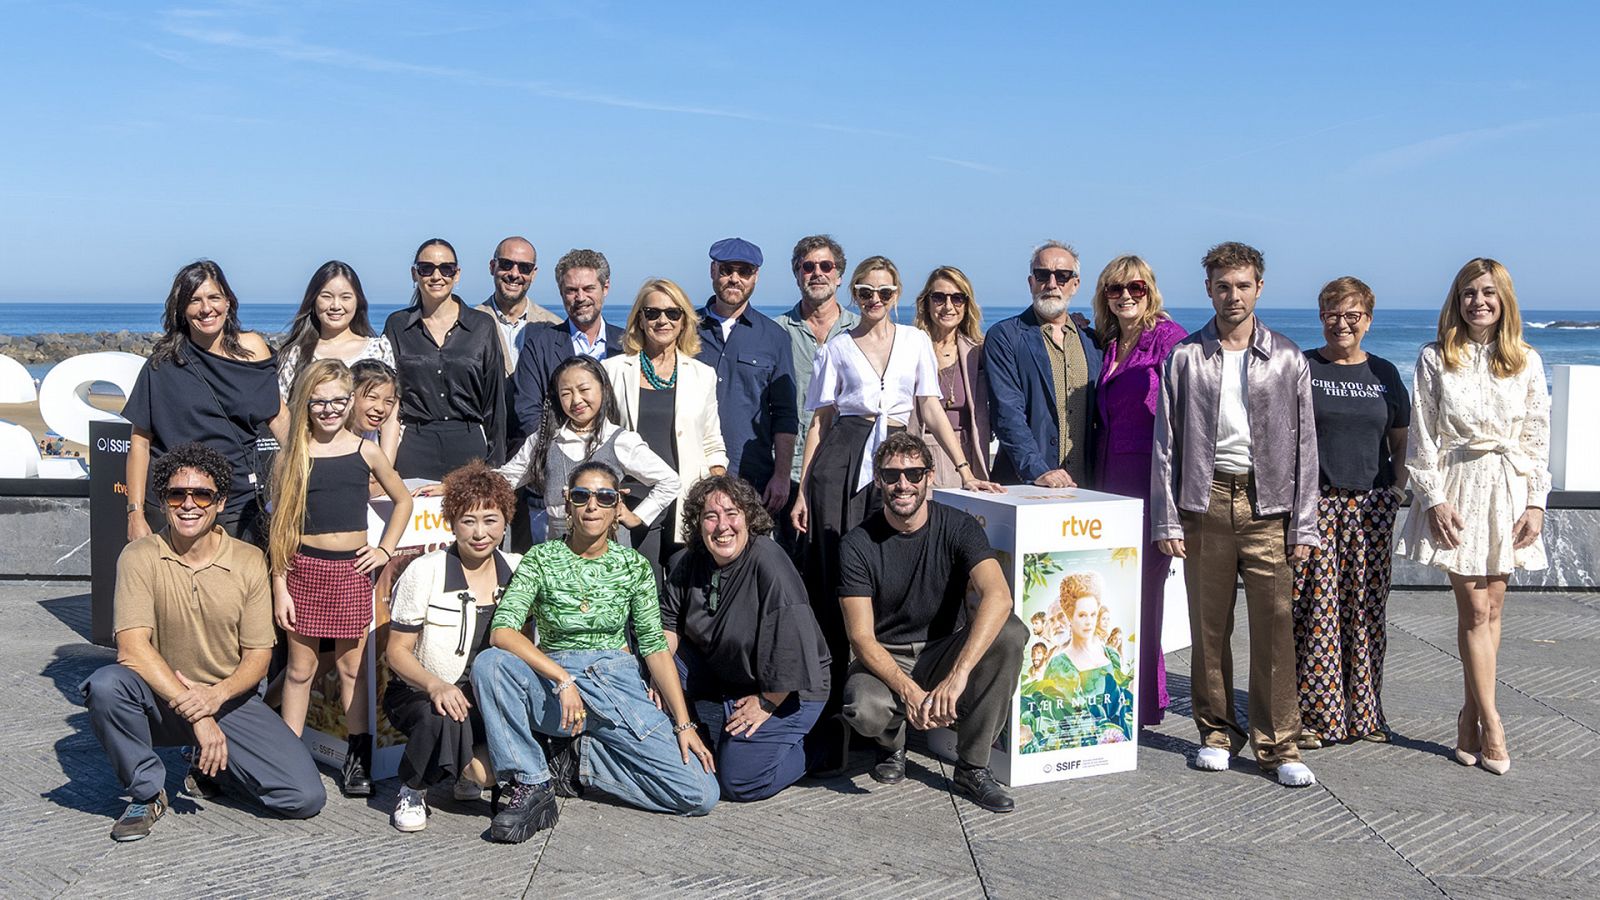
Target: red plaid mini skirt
331,599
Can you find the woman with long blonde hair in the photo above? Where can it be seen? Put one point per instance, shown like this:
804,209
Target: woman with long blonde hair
1479,463
321,563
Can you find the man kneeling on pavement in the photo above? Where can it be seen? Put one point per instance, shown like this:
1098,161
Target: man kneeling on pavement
920,656
194,634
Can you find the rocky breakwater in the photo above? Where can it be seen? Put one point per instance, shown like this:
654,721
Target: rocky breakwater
53,347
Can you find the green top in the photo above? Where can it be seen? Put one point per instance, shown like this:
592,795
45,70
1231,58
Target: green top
584,604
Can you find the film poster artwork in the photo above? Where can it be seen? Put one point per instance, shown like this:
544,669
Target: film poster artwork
1077,686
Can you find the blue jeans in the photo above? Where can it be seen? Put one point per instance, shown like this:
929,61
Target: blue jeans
751,766
627,748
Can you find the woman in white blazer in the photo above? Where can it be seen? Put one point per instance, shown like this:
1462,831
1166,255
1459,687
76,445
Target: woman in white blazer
670,399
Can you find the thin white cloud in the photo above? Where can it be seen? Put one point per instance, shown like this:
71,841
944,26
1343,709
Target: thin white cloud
968,164
1420,153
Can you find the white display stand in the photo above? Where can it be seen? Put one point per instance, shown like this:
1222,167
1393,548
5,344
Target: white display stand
1574,428
426,530
1066,722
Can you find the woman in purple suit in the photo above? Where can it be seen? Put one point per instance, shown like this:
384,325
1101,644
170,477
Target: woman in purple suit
1137,337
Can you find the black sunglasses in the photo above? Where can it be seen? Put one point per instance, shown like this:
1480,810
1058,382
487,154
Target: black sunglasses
606,497
824,266
425,269
203,497
652,313
939,298
913,474
1062,276
743,270
506,265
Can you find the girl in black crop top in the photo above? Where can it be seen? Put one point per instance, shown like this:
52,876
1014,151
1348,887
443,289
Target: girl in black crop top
321,563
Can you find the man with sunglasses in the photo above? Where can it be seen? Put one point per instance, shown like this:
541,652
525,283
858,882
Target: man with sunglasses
1235,479
920,656
818,266
1043,366
193,626
513,267
757,395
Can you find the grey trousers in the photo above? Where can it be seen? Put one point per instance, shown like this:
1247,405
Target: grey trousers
876,712
264,756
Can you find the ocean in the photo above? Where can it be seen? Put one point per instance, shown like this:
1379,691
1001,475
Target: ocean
1562,337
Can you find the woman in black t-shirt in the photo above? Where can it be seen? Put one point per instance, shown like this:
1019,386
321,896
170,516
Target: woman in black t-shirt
739,620
211,382
1342,591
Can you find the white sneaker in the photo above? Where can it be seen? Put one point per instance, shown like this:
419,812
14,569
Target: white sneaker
1212,759
1295,775
410,811
467,790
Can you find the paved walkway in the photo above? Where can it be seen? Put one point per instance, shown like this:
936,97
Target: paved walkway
1391,821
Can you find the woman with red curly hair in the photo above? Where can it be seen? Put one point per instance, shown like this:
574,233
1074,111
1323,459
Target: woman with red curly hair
439,621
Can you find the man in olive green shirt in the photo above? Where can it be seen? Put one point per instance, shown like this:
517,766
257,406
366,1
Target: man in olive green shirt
194,634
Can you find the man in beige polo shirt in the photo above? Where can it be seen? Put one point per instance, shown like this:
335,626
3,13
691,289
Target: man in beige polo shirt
194,633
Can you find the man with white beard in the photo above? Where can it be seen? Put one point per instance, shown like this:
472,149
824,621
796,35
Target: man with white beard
1043,367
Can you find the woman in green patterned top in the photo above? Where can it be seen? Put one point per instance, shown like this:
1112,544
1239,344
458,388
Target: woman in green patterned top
582,592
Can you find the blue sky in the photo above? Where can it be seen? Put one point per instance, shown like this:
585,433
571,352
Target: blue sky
1389,141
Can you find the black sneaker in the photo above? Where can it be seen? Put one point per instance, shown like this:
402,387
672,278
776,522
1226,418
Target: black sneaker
979,786
563,758
138,817
890,767
357,780
529,808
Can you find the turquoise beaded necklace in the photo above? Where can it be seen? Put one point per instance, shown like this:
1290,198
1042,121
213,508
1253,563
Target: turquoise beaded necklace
656,381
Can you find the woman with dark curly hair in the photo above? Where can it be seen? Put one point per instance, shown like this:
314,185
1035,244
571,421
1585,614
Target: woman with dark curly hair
432,646
753,660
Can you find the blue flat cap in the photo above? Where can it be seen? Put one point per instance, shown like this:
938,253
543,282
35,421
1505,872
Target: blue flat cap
736,250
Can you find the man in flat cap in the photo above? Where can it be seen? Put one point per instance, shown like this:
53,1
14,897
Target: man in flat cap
756,390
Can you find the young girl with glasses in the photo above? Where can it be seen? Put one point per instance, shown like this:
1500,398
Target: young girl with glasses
321,563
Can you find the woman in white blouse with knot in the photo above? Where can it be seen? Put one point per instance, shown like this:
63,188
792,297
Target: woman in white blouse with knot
866,383
1479,464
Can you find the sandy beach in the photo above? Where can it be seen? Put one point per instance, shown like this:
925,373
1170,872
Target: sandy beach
27,415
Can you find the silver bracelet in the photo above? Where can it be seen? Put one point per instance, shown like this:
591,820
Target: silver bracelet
680,729
570,682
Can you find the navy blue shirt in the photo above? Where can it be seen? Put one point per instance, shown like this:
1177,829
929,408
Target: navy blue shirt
755,389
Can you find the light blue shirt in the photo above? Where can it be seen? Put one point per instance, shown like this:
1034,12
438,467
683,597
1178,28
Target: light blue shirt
582,346
803,346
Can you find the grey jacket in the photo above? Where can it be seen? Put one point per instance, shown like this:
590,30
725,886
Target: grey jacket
1283,433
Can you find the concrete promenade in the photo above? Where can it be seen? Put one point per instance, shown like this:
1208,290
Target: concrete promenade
1400,820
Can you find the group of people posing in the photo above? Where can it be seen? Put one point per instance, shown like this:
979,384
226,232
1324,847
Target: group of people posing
744,567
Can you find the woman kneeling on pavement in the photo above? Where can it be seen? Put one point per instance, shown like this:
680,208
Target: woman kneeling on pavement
439,623
738,618
583,592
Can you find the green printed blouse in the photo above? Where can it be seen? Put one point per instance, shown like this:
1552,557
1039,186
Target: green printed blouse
584,604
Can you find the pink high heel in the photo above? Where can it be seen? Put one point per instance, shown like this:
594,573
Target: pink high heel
1463,756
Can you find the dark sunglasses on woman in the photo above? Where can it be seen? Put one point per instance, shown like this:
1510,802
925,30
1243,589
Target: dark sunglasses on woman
652,313
606,497
426,269
1135,289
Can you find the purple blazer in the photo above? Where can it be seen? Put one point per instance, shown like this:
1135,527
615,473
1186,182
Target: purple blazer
1128,393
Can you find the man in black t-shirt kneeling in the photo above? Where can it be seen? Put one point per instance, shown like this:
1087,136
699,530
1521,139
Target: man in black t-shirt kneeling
919,655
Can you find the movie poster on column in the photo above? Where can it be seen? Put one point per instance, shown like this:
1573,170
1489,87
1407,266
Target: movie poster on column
1077,686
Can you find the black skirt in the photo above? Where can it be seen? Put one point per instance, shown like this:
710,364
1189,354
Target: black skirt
438,748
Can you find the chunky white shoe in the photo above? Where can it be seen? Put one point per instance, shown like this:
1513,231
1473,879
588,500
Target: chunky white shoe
1295,775
1212,759
467,790
410,811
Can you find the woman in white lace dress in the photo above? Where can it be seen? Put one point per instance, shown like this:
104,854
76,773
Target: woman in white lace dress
1479,463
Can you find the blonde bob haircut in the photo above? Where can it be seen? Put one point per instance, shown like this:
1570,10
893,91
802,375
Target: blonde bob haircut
971,326
873,264
688,336
1120,271
1510,350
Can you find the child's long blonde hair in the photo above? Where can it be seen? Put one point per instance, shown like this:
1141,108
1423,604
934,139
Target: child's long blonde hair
292,469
